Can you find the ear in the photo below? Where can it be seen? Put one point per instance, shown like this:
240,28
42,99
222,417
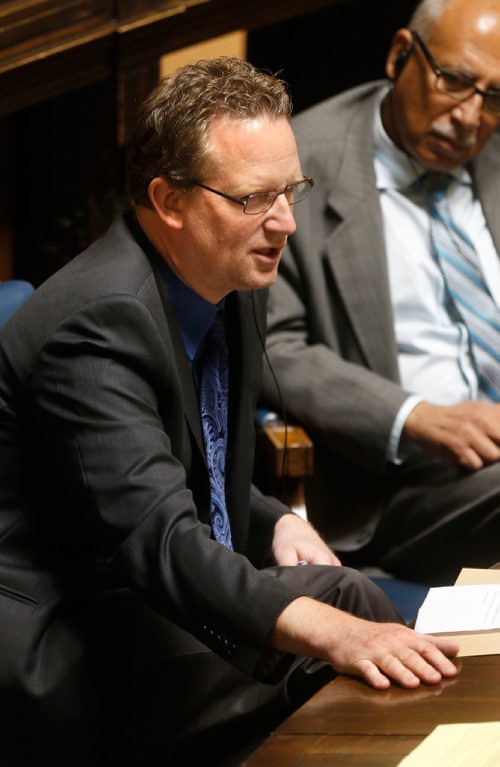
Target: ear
167,200
401,47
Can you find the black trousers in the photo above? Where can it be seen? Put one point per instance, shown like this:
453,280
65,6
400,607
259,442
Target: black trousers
438,519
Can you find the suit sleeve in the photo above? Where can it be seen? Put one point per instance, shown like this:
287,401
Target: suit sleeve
351,407
109,402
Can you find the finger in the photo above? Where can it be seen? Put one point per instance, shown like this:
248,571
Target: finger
439,661
469,459
372,674
439,653
425,661
409,670
449,647
324,557
485,448
286,556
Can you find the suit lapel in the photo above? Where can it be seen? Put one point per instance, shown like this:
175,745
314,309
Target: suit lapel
189,393
356,248
245,375
486,174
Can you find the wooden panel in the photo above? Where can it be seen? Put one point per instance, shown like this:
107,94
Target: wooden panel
186,24
49,47
349,707
65,69
231,44
128,10
31,26
349,723
338,751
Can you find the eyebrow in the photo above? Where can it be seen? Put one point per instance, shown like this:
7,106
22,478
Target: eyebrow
458,70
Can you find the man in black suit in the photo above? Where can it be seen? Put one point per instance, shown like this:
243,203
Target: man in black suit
138,611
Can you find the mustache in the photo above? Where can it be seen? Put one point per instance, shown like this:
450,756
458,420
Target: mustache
462,138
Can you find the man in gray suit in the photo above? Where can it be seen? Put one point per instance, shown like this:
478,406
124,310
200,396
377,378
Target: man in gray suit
151,602
373,352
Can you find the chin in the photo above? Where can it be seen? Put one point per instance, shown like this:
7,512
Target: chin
438,163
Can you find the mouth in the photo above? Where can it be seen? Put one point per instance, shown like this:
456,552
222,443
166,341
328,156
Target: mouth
451,142
271,254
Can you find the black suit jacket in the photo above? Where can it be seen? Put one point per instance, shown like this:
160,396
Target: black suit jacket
103,482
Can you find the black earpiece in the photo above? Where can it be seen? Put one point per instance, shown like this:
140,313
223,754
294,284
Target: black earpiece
400,61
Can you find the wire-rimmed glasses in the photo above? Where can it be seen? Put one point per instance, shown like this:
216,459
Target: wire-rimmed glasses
261,202
457,85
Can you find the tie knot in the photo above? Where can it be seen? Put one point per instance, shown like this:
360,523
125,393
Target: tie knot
435,184
214,345
216,331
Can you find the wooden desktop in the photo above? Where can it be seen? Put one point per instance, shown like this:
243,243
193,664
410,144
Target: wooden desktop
349,724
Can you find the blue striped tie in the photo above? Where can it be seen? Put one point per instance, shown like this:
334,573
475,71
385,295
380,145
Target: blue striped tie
457,258
214,376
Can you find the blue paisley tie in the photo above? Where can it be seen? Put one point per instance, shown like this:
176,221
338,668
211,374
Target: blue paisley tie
214,375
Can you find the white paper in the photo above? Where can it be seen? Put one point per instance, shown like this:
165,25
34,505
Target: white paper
460,608
458,745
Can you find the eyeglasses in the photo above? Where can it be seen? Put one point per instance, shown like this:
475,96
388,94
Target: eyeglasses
260,202
459,86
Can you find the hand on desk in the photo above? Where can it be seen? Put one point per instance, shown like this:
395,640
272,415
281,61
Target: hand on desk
467,434
377,652
295,540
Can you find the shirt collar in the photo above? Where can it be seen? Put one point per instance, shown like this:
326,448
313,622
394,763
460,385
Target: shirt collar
194,313
394,169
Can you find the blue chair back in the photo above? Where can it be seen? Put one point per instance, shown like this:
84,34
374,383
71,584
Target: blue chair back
406,596
13,293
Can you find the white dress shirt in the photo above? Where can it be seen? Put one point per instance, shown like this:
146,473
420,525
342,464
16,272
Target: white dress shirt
433,347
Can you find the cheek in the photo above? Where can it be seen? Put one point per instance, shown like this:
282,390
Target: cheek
488,126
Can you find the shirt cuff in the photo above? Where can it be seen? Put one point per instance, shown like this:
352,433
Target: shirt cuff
393,449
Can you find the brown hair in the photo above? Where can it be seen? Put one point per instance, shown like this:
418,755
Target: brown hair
170,137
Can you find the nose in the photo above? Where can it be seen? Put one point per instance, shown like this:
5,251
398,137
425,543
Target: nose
468,112
281,217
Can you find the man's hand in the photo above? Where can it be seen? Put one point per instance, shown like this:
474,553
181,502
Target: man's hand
467,434
295,541
377,652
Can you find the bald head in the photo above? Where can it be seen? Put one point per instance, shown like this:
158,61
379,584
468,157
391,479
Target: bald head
444,104
430,14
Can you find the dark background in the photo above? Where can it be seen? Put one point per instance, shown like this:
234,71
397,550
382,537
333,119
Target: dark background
326,52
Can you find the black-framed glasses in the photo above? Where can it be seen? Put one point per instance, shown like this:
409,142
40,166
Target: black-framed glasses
456,85
260,202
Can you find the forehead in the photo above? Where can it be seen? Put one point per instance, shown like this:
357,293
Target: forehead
262,147
468,36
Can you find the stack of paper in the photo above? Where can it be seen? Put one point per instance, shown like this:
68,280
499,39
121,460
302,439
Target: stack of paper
469,612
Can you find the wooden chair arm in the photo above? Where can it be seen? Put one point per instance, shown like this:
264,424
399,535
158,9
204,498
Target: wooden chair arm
290,451
285,457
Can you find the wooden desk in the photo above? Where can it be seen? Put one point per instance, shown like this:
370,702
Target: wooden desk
348,723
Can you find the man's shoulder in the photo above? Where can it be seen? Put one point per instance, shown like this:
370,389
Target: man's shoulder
328,117
113,269
114,257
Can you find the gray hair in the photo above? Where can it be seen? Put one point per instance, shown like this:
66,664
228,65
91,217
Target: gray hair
170,137
425,16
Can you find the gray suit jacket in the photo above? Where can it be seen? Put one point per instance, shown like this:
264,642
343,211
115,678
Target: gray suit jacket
331,335
104,491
